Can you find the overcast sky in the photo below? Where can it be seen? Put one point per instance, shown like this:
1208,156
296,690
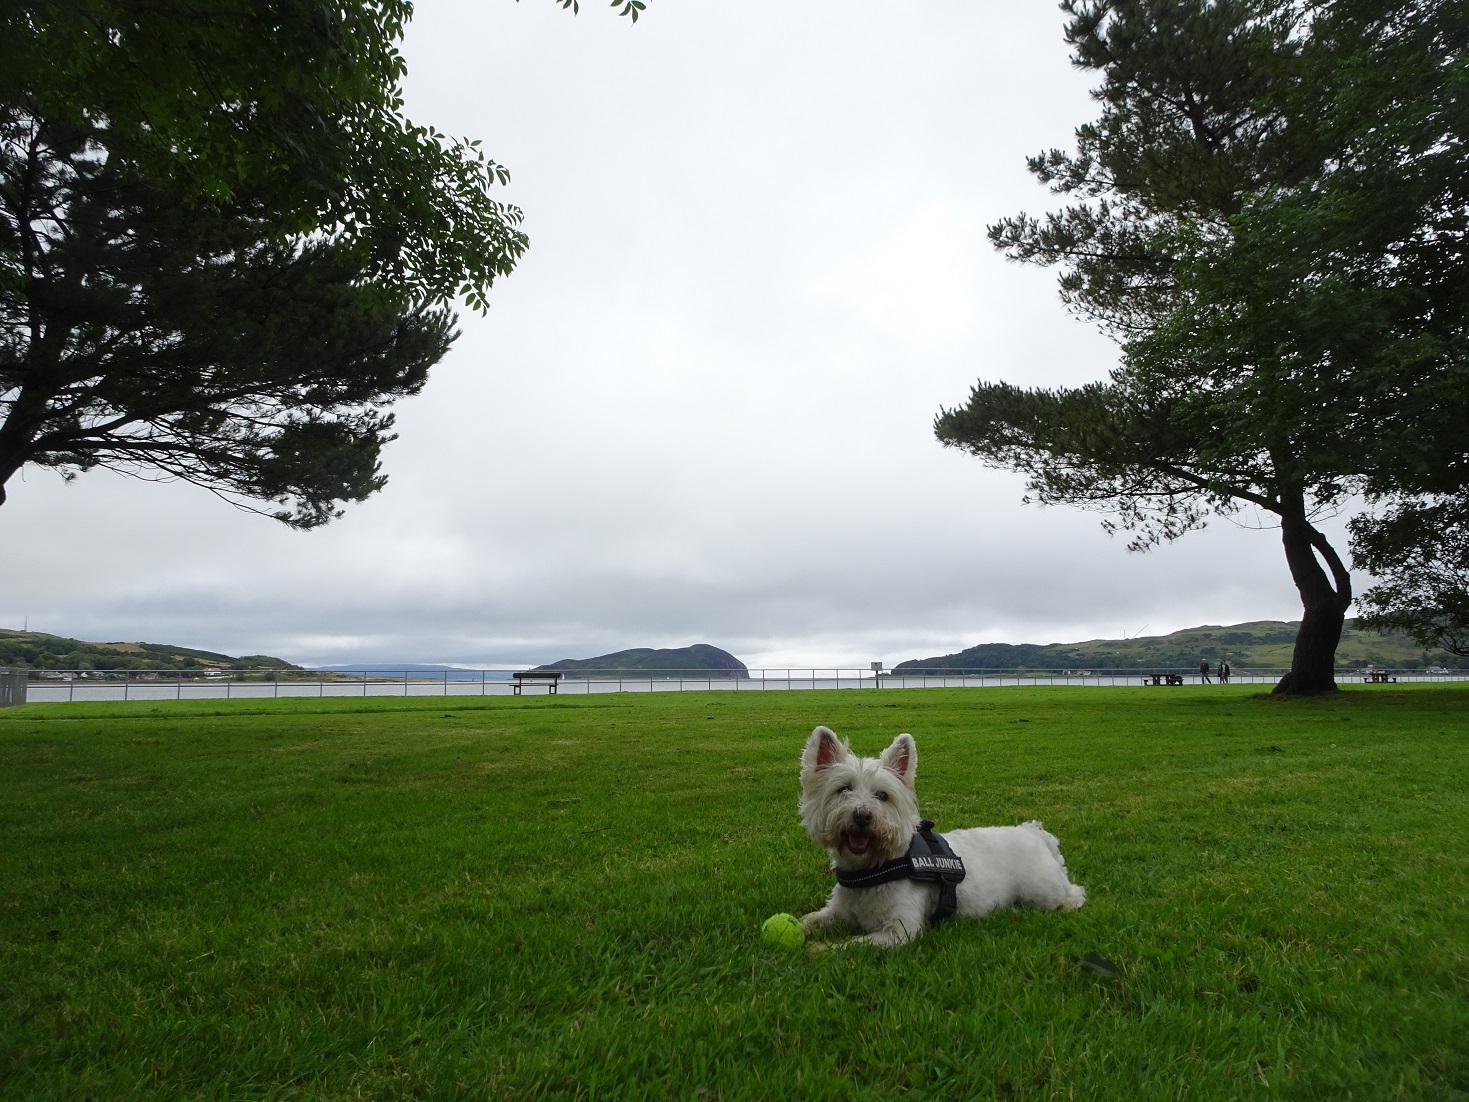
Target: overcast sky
701,408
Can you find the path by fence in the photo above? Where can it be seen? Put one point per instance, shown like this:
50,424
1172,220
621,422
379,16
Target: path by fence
51,686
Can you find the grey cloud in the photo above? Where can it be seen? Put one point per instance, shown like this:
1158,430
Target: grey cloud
701,408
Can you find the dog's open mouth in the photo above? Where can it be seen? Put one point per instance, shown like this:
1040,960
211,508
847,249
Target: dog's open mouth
858,841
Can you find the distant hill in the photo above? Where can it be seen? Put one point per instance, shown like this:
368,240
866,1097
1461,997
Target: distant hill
39,651
700,658
1262,643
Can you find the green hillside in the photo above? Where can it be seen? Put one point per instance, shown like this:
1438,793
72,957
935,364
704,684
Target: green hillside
1262,643
699,658
39,651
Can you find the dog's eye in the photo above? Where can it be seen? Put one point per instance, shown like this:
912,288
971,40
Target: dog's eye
844,788
883,796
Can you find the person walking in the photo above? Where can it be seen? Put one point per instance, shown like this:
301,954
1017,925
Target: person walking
1223,671
1204,671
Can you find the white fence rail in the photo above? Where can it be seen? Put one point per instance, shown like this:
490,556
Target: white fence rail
52,686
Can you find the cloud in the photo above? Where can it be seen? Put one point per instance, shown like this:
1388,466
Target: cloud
917,284
701,409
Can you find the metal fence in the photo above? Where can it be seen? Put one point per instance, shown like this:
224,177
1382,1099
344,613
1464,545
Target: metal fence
12,687
90,685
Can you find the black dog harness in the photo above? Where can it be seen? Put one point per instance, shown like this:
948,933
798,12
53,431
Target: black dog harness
929,858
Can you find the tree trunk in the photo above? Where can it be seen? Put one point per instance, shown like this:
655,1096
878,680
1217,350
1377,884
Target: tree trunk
1324,601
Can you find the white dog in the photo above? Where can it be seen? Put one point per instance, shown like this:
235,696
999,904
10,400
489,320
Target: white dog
894,875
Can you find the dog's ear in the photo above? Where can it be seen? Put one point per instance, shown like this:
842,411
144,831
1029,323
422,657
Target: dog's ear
902,758
823,749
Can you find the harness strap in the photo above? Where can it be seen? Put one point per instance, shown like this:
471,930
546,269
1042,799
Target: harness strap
929,858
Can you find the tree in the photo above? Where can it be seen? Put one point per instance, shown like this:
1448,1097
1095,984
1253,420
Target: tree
222,247
1413,192
1249,196
1420,553
1345,297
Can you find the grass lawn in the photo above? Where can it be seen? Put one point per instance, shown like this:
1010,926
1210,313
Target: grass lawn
561,897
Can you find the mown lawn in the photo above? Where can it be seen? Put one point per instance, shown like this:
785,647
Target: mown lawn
561,897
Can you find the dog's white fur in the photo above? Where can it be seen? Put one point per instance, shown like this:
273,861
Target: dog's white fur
863,811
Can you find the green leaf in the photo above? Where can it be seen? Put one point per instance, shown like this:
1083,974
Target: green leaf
1098,965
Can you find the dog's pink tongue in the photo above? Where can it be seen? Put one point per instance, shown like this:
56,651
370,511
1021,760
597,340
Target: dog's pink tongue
858,841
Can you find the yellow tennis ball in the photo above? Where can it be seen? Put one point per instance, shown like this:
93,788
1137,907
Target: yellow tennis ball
784,931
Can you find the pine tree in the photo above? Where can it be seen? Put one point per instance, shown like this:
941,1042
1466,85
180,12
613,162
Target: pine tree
1268,216
223,249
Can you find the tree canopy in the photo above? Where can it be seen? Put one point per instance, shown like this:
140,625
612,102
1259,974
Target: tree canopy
223,249
1420,552
1270,219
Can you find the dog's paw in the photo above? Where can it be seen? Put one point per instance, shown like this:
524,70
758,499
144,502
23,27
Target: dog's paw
817,920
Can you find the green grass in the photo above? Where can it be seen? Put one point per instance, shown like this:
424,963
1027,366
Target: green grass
561,898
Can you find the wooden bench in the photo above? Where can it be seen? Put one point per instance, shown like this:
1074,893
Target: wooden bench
548,678
1379,679
1164,679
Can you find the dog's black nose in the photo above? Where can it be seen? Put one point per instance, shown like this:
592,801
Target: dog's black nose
862,817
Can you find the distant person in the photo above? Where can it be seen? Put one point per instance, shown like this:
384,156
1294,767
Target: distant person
1223,671
1204,671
